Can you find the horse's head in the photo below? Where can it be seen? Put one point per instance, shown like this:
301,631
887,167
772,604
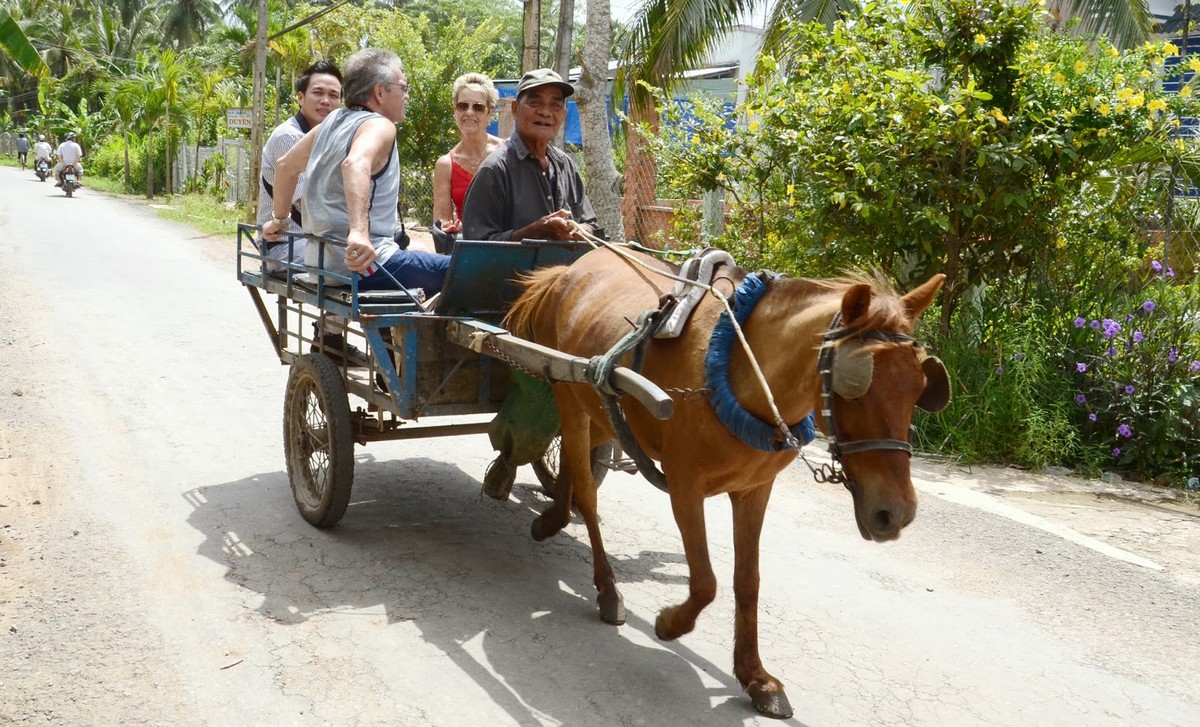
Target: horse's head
878,375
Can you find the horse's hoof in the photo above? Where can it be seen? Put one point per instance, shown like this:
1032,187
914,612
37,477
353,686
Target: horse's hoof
770,701
545,525
660,630
612,610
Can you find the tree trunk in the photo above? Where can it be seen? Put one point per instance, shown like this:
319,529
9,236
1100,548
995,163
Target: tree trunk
531,52
199,133
167,151
562,50
149,164
128,179
603,181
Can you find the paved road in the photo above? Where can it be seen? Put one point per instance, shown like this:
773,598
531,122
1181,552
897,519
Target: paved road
155,570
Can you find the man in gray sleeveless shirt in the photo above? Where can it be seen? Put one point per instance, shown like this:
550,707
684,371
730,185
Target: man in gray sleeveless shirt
352,170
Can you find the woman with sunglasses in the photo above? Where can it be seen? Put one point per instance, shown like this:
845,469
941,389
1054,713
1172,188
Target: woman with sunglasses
474,102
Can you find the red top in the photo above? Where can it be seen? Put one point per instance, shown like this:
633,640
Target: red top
460,179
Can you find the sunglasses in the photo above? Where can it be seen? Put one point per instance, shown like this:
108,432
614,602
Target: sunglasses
478,108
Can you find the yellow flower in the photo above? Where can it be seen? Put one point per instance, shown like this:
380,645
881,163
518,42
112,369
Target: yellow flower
1118,80
980,39
1185,92
1113,52
1124,94
753,126
1170,49
1150,124
1105,109
999,115
959,109
1120,108
1060,78
1157,105
1144,75
1102,132
1194,65
1080,66
791,189
1076,143
1136,101
1047,68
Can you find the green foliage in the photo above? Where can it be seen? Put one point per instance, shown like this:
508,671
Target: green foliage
953,135
1135,363
1009,402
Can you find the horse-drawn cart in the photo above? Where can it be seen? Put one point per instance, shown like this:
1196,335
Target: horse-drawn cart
422,367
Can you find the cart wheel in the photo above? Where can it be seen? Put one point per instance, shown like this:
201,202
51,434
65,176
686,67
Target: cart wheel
69,191
317,440
546,467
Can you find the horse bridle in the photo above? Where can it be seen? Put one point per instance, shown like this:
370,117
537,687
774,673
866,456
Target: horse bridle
835,471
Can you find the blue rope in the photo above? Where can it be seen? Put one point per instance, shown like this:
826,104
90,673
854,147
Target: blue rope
748,428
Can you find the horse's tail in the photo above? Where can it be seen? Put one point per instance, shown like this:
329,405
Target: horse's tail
523,313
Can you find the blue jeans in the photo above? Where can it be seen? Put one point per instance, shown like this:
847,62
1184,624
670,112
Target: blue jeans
413,268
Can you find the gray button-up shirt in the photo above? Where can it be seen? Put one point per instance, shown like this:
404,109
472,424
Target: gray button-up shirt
511,190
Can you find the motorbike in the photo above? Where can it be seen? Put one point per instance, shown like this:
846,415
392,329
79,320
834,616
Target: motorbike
70,182
42,169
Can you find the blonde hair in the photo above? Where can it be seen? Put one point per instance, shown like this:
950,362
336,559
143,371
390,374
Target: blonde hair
475,82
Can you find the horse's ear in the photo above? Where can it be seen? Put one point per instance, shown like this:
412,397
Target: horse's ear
918,299
936,395
855,303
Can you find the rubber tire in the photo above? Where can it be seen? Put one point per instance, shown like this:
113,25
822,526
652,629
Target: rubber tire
546,466
316,395
70,190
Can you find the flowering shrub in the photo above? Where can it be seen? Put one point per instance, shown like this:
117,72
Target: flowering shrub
1137,370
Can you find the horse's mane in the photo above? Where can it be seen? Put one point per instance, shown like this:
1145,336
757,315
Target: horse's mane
887,311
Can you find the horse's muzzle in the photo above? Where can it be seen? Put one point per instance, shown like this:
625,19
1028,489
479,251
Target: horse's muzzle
880,521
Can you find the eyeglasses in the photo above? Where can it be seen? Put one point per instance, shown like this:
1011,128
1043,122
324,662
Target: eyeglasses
403,86
463,106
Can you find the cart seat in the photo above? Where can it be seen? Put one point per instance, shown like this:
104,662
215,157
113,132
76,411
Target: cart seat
482,279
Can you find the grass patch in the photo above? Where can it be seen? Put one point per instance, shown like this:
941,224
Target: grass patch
200,211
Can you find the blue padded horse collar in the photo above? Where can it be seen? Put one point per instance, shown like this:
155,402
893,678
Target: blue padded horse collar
748,428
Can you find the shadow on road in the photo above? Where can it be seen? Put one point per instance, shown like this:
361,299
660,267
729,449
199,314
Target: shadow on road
517,617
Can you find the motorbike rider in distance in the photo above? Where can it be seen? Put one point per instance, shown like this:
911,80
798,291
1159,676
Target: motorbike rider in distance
69,154
42,149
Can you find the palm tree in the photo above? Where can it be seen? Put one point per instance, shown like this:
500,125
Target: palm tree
667,37
185,21
207,84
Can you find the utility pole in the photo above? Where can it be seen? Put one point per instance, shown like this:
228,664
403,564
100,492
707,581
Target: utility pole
258,112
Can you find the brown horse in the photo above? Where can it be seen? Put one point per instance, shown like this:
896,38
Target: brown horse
584,309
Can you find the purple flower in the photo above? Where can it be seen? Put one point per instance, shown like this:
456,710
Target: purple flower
1138,336
1112,352
1095,325
1148,306
1018,357
1170,272
1080,399
999,369
1172,355
1125,431
1111,327
1156,266
1194,367
1092,417
1080,322
1129,388
1129,318
1116,451
1082,367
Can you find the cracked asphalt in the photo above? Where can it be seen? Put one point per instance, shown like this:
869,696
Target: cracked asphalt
154,570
